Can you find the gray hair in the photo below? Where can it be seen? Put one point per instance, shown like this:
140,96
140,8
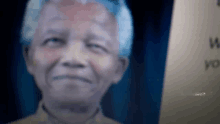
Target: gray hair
118,8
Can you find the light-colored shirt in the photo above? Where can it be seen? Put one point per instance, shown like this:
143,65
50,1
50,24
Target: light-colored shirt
42,117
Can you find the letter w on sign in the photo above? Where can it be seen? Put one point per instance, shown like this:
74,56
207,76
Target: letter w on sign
214,42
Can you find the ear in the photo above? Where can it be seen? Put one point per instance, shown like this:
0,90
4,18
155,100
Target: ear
28,59
123,63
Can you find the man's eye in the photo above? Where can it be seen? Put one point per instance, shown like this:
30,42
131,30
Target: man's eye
95,46
53,42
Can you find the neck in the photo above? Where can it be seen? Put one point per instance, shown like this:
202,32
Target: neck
69,113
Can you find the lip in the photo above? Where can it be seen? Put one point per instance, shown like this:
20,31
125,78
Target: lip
60,77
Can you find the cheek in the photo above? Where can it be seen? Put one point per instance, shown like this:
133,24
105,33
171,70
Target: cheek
103,66
46,56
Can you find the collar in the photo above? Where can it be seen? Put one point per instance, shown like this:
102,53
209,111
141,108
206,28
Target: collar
43,116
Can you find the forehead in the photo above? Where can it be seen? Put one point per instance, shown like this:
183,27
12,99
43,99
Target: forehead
75,11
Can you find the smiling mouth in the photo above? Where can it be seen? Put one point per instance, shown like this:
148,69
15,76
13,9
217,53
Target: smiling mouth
71,77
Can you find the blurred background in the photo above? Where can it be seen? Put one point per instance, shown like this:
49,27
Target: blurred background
135,100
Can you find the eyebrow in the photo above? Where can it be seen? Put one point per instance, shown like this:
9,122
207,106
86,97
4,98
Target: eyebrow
56,31
57,18
98,37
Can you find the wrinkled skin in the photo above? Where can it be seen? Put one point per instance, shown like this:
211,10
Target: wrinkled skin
75,40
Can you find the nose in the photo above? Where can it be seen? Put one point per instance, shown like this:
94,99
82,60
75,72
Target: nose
74,56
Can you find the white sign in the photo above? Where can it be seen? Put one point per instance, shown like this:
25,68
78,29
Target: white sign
192,78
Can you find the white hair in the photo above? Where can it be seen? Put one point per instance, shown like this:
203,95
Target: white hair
118,8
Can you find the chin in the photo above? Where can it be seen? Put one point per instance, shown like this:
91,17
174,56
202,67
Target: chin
74,96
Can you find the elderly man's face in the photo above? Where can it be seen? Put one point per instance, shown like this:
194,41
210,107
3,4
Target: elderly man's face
73,56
